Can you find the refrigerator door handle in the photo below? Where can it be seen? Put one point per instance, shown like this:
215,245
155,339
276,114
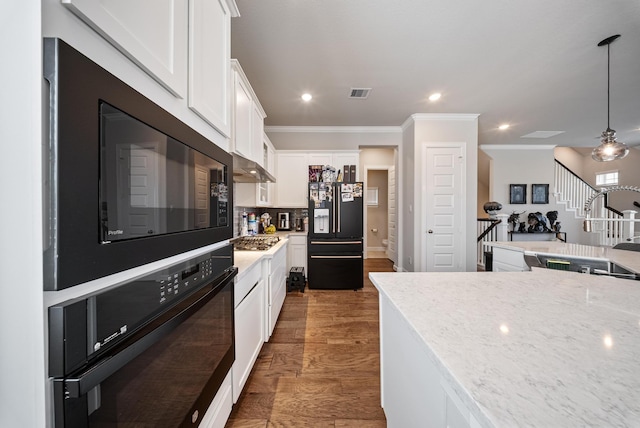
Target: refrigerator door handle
336,257
333,214
338,206
336,242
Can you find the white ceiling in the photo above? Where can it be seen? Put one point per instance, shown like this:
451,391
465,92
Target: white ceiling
533,64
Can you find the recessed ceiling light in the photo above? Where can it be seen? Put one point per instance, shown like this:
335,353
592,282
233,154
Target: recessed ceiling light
503,126
306,97
435,97
253,171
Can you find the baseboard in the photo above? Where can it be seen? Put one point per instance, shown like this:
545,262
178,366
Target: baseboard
376,248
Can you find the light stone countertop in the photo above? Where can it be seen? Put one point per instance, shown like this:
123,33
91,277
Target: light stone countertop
627,259
244,260
569,356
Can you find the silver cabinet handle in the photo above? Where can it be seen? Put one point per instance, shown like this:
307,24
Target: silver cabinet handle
336,257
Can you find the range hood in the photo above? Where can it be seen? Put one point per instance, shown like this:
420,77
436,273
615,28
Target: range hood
248,171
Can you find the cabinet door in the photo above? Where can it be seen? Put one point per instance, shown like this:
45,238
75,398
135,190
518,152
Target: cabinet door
321,159
242,118
156,42
257,135
249,336
342,159
292,176
209,69
297,257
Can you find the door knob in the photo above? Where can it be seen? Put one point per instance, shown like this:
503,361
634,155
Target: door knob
429,231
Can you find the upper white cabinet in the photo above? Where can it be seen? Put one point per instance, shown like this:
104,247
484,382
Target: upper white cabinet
156,42
292,172
209,68
292,176
185,45
247,132
242,114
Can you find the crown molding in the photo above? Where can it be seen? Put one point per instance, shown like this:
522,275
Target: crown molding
422,117
517,147
335,129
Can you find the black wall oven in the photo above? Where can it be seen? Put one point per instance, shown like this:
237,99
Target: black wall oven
127,182
149,353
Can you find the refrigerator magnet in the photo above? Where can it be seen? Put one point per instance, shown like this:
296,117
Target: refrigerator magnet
347,197
347,188
357,190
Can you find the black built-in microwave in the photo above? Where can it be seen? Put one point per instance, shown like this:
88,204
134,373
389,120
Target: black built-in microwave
126,183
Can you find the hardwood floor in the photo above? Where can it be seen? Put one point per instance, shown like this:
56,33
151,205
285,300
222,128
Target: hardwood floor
321,367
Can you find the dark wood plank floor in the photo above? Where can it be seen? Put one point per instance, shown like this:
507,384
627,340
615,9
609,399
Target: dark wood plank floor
321,367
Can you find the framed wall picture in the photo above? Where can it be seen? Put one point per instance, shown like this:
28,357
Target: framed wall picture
517,193
539,193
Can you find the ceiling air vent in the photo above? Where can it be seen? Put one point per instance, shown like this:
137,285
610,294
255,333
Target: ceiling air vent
359,93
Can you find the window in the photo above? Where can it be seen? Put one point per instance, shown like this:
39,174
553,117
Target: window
609,178
372,196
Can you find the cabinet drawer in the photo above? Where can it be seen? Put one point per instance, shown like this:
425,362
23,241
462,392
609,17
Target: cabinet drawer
247,282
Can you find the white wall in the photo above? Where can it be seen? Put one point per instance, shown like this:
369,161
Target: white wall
571,159
22,358
529,165
377,215
435,128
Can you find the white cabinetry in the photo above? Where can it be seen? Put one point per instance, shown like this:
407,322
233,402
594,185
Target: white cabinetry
249,325
209,68
274,270
414,392
321,158
265,191
347,158
506,260
156,42
297,252
292,172
247,117
292,176
219,410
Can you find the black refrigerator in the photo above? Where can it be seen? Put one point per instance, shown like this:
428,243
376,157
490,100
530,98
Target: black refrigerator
335,248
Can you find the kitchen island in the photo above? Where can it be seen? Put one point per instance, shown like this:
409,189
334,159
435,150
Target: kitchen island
509,256
481,349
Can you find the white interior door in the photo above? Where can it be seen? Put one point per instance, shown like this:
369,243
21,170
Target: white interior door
202,197
138,176
392,215
443,234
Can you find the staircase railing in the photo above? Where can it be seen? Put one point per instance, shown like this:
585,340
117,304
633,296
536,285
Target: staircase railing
487,232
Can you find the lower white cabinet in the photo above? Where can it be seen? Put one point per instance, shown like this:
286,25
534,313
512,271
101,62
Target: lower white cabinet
219,410
414,391
249,325
297,252
274,269
505,260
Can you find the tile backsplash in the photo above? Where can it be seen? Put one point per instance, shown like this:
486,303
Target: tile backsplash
295,213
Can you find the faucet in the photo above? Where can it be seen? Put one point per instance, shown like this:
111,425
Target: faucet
604,190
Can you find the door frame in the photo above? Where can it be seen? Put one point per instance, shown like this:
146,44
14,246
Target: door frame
366,169
421,218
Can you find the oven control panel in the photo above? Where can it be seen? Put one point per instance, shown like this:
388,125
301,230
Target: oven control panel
186,276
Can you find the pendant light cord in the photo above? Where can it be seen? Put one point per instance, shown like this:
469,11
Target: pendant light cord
608,84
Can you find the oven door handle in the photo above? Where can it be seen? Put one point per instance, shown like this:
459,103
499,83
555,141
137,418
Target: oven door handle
80,384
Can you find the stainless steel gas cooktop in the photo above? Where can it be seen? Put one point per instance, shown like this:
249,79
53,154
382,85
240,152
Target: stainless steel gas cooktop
255,243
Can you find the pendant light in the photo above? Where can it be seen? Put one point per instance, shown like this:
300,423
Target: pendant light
609,149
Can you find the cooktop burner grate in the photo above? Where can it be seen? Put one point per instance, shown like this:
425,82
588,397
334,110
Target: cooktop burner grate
255,243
